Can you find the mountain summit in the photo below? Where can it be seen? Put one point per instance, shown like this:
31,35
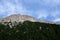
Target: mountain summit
17,18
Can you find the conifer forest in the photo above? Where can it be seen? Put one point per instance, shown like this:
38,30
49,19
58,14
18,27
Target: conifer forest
30,31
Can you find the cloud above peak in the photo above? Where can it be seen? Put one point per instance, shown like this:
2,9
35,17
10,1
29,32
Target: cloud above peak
51,2
9,8
40,9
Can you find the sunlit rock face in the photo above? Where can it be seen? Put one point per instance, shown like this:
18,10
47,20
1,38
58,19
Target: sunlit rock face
17,18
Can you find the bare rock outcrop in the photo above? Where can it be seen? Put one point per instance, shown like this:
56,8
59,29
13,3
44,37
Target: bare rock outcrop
17,18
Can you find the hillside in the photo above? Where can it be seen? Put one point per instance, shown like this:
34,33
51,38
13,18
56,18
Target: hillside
30,31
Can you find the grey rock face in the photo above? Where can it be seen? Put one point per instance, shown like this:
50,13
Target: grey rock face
14,20
17,18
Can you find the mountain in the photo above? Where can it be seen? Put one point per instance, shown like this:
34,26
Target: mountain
22,18
23,27
17,18
14,20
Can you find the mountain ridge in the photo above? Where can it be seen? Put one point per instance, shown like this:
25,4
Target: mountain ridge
22,18
17,18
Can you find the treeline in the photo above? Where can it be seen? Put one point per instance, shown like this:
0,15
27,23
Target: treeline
30,31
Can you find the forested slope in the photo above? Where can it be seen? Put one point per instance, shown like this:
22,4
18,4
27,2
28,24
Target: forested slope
30,31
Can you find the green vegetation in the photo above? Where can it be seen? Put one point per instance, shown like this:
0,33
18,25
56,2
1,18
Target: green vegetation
30,31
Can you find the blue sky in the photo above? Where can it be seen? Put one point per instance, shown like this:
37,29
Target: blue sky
40,9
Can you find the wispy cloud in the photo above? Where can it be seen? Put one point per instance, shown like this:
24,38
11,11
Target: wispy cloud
50,2
40,9
8,8
41,14
56,20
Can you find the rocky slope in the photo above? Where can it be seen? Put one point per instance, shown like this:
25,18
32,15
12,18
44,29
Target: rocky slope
14,20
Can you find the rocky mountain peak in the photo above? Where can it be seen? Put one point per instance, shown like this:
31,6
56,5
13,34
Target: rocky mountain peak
17,18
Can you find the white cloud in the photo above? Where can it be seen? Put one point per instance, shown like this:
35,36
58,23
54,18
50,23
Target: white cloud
51,3
56,20
55,13
8,8
41,14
